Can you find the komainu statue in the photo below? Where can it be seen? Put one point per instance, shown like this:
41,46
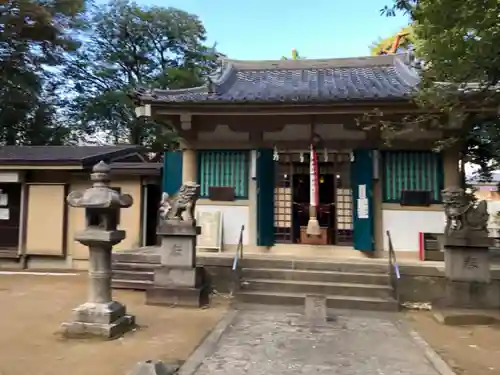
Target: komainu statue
464,218
183,202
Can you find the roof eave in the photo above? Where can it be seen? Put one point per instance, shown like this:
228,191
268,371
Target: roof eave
93,159
228,103
48,163
72,162
145,97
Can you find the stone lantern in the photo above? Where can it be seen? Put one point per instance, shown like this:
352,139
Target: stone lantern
100,315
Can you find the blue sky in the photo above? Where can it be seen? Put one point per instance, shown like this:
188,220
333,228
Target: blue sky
269,29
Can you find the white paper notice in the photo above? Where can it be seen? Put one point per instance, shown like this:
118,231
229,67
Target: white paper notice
362,191
363,211
4,199
4,214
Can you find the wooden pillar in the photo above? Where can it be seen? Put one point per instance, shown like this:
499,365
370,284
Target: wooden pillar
189,165
451,171
189,157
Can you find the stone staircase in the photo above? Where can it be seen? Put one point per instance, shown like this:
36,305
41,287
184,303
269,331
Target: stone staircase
347,285
133,270
363,286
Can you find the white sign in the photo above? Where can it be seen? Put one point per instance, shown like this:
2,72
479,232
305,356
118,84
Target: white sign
4,214
211,230
10,176
4,199
363,209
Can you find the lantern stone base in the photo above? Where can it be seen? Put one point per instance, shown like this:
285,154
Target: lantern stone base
100,320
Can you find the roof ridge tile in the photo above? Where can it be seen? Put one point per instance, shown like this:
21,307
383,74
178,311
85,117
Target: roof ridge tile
363,78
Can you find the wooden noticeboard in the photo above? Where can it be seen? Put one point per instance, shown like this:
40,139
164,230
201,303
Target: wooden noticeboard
211,230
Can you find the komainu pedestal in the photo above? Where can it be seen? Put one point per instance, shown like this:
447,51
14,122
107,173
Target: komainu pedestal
179,282
466,247
100,316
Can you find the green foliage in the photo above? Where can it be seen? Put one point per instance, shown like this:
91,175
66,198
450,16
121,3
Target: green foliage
384,44
295,56
127,47
35,40
457,46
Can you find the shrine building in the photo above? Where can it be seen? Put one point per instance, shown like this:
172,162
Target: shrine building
246,138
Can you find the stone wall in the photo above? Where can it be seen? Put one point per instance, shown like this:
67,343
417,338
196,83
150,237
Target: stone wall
428,284
219,272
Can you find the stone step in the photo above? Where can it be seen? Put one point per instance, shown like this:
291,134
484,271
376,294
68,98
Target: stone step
313,287
131,266
318,276
125,257
133,275
333,301
131,284
352,267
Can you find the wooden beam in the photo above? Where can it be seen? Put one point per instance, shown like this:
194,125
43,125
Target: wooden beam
185,120
252,109
256,136
303,145
269,123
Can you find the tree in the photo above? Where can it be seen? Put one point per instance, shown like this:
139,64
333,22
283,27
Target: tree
35,39
459,46
457,49
295,56
130,47
405,42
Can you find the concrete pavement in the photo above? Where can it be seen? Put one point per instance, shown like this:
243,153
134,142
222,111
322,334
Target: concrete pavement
278,342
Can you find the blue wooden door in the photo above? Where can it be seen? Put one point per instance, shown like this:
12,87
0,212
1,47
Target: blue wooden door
265,197
362,195
172,172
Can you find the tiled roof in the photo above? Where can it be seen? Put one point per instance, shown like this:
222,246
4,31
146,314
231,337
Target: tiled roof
370,78
46,155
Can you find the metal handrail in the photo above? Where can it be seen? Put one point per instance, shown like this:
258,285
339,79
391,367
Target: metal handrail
394,274
236,265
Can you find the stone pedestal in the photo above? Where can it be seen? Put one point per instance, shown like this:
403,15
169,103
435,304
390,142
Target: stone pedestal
100,316
466,252
469,264
471,295
178,282
468,275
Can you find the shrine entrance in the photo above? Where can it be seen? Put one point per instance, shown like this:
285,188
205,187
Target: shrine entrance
291,199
